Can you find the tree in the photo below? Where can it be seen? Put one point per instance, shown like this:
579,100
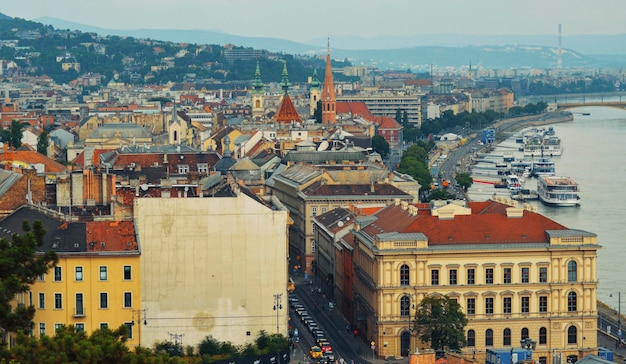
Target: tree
440,321
380,145
13,135
42,143
464,180
20,265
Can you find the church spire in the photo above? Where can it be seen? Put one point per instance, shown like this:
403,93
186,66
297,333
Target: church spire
257,84
329,98
284,83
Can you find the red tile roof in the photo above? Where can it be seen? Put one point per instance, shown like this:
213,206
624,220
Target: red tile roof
487,224
287,111
356,109
111,236
387,122
31,157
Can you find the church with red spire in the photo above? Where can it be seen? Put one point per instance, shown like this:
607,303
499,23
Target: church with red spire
329,97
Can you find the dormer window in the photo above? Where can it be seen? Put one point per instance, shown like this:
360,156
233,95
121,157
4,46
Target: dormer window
183,168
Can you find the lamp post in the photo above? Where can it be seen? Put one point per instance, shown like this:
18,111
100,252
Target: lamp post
528,344
619,309
277,307
139,314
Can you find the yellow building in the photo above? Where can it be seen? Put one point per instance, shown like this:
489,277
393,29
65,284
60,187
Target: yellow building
96,282
516,275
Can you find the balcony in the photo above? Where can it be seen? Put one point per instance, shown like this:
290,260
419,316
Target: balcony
79,312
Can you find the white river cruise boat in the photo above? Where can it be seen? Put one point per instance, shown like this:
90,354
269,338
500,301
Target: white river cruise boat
558,191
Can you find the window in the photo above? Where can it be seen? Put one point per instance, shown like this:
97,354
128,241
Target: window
572,335
525,274
524,333
506,337
489,306
104,325
471,338
42,300
507,276
471,306
42,328
543,336
128,300
405,306
543,303
79,304
313,247
404,275
103,273
571,302
57,274
104,300
571,271
525,304
452,275
489,276
80,327
78,276
471,276
130,329
323,210
183,168
127,273
314,211
489,337
434,277
57,327
58,301
506,305
543,274
42,277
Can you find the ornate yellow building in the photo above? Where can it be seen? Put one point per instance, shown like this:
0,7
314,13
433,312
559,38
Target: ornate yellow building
515,273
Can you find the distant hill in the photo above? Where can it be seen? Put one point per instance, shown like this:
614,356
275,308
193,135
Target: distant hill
419,52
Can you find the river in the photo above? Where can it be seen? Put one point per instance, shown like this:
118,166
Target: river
594,148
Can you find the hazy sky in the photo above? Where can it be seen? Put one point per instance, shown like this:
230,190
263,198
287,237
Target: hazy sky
305,20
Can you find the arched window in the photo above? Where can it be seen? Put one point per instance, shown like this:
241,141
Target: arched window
404,275
405,306
572,335
543,335
471,338
571,302
524,333
489,337
572,271
506,337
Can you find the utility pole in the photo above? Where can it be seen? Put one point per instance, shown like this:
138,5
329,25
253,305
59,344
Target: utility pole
277,307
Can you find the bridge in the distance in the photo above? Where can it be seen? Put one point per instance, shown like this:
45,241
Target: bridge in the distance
570,105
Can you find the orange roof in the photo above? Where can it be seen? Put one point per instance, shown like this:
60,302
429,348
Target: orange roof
31,157
111,236
287,111
386,122
487,224
357,108
80,159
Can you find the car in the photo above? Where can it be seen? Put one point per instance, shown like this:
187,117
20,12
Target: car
329,356
326,347
315,352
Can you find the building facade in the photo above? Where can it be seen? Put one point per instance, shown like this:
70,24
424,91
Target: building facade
516,274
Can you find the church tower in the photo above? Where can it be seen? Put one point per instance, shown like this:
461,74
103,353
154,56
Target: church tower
314,92
258,94
286,113
329,98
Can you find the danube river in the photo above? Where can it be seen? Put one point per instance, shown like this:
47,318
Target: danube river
594,155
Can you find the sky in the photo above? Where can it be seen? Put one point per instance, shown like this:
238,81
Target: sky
302,21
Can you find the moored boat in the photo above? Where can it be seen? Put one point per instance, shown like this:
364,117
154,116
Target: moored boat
543,167
513,183
558,191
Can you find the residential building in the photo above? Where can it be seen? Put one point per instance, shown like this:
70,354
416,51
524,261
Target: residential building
387,104
96,282
516,275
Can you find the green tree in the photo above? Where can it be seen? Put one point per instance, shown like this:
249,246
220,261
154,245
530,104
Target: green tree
439,194
43,143
380,145
464,180
13,135
19,267
440,321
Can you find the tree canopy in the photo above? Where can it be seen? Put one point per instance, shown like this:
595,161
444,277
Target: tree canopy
380,145
440,321
20,265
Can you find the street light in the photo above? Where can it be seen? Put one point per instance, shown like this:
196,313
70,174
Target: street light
277,307
528,344
619,309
